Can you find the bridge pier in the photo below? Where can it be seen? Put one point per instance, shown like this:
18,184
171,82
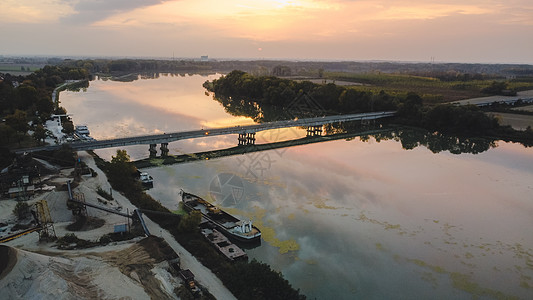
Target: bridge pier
164,149
153,150
314,130
247,138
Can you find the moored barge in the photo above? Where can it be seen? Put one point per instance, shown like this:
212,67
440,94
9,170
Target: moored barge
232,227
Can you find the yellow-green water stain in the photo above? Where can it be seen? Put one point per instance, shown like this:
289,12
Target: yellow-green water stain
268,233
464,283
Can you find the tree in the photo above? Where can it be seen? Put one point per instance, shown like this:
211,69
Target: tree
68,126
190,222
121,157
27,95
498,88
122,171
44,106
410,108
18,121
21,210
40,133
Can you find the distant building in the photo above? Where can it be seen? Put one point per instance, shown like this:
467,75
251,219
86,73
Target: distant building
204,58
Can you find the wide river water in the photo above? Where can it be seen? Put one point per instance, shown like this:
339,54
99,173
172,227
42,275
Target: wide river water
344,219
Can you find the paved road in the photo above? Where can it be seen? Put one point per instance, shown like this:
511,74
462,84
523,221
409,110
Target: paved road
175,136
490,99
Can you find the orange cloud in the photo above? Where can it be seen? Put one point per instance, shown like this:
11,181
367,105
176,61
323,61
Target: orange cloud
29,11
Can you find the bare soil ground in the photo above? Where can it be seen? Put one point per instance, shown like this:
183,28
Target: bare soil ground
135,269
517,121
117,272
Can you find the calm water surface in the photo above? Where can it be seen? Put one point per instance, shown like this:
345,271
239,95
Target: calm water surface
341,219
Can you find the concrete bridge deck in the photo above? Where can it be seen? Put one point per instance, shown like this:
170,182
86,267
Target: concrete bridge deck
175,136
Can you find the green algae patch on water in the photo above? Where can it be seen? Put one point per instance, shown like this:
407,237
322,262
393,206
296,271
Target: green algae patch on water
386,225
268,234
321,204
463,282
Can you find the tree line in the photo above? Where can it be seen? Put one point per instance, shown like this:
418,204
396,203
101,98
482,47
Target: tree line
268,98
26,104
275,91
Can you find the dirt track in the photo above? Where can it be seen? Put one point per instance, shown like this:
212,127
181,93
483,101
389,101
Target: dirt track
518,122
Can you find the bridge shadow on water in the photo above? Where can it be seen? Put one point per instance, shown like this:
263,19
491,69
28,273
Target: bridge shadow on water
243,149
410,138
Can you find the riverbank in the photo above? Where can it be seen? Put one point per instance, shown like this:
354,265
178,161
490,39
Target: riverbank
101,277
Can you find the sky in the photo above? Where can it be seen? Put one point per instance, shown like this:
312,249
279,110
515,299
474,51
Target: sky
470,31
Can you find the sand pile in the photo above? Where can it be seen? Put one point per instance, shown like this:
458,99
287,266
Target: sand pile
118,272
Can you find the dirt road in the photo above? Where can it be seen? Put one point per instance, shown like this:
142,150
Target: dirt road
202,274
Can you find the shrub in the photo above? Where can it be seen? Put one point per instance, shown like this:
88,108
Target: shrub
21,210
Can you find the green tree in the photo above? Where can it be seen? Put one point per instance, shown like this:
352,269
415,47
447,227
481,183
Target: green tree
40,133
18,121
122,170
498,88
190,222
410,108
27,96
68,126
121,157
44,106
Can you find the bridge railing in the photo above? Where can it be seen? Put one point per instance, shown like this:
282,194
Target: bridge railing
175,136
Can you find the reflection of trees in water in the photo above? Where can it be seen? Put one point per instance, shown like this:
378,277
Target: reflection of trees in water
264,113
409,137
437,142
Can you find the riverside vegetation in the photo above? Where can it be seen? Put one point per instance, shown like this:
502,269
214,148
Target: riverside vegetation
245,280
267,98
30,99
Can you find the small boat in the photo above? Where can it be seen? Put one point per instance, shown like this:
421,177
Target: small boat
232,227
82,130
146,179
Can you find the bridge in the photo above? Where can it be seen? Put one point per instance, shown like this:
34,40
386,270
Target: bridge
246,133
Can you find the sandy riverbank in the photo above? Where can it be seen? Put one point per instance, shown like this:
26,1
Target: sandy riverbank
42,270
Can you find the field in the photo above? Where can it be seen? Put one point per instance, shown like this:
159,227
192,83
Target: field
432,90
19,69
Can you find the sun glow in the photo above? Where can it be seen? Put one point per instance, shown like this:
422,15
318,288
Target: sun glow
269,28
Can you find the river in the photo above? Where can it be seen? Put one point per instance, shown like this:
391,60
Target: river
345,219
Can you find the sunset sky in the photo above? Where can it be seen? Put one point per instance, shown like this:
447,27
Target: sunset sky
489,31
